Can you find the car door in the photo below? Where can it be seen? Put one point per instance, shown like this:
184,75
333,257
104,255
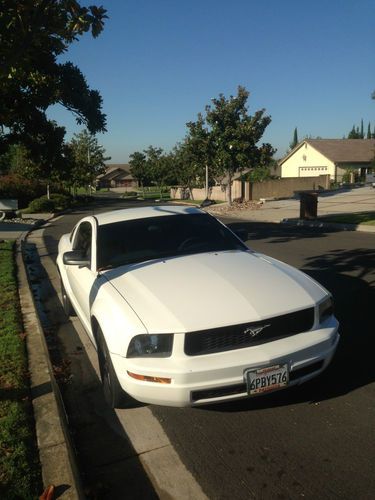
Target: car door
81,278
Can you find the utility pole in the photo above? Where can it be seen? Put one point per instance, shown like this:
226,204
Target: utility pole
206,182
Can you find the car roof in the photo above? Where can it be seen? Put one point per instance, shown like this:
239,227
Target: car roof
144,212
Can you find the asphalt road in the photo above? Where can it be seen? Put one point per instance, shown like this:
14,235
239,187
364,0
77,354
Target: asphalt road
315,441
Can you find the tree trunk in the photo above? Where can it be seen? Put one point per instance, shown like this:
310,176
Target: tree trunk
48,193
229,188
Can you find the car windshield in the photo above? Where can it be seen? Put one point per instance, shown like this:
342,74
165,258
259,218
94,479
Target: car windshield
139,240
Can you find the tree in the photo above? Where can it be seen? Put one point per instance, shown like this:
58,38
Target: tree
33,33
368,131
139,168
17,161
354,133
194,156
295,141
362,135
160,167
235,135
88,159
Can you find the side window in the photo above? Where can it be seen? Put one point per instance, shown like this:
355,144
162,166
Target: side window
82,239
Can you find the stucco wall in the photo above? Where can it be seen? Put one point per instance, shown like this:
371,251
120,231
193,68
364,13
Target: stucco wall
307,162
215,193
278,188
285,188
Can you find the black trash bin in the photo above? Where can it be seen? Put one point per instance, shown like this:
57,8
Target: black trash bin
308,205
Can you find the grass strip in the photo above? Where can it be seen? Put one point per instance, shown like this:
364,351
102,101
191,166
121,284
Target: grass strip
358,218
19,460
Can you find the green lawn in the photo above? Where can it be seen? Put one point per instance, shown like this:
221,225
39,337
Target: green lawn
359,218
19,461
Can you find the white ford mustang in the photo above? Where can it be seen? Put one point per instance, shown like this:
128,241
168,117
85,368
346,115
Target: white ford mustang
183,313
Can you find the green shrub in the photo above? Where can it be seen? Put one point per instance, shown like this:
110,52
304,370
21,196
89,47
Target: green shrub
42,204
56,203
61,201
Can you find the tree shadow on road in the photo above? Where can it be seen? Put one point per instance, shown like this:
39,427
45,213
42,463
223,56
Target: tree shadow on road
350,277
278,233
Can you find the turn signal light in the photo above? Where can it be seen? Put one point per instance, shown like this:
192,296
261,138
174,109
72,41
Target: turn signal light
147,378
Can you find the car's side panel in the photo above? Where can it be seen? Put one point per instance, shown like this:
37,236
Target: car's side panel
117,320
81,281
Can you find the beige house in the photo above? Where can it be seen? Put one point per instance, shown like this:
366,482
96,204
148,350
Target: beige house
314,157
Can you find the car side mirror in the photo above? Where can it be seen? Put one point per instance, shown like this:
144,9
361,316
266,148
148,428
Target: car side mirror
242,234
75,258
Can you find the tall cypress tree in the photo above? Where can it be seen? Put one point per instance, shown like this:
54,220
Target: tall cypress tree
295,141
368,131
362,135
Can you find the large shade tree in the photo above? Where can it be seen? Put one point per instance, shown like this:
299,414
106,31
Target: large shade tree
235,136
139,168
33,34
194,155
160,168
88,159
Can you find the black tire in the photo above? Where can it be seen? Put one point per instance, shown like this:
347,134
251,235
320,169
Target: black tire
113,392
67,305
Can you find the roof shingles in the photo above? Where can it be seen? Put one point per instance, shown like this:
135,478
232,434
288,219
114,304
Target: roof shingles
345,150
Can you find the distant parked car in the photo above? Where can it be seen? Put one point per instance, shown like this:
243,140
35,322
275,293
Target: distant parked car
183,313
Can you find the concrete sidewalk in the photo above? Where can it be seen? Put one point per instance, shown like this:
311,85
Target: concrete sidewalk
353,201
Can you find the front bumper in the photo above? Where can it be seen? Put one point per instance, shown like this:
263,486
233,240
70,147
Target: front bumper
219,377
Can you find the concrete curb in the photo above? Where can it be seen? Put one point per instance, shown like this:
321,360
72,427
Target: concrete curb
328,225
56,451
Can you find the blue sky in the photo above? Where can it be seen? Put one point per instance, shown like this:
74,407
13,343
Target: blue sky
311,65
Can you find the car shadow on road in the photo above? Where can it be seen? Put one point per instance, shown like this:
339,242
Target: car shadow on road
107,461
350,277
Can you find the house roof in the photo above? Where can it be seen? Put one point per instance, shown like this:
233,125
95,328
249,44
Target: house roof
116,171
341,150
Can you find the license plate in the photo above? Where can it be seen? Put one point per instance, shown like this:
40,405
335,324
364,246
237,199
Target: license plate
267,379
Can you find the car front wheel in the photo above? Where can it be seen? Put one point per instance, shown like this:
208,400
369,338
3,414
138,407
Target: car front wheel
113,393
67,305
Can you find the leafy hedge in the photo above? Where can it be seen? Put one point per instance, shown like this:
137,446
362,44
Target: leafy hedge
17,187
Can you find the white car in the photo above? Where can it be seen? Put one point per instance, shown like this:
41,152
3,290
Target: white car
183,313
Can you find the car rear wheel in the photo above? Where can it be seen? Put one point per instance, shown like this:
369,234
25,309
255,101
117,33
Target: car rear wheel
67,305
113,392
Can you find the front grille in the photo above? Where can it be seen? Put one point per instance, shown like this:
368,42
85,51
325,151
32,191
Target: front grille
229,390
239,336
232,390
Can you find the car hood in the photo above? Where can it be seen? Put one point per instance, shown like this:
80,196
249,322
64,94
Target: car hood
208,290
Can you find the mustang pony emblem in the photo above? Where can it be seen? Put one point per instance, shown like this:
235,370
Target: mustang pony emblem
253,332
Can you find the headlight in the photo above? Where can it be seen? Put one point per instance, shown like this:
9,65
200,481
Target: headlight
157,346
325,309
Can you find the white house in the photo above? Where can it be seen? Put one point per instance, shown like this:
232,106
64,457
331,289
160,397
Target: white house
314,157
